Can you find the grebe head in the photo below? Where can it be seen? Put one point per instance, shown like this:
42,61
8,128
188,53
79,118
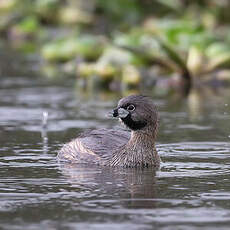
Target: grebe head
137,112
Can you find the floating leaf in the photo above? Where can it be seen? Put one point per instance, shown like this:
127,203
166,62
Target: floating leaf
61,50
29,24
88,47
217,48
131,75
7,5
69,15
175,57
220,61
195,60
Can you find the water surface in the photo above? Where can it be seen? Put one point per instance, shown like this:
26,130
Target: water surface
190,191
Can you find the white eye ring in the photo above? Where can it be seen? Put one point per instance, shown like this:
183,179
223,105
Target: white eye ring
131,108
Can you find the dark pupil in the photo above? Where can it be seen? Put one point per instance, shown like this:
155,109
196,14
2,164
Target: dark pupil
130,107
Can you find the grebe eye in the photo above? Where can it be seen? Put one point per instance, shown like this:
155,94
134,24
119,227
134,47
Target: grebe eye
131,107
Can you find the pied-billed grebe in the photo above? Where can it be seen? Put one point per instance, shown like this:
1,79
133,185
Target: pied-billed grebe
117,147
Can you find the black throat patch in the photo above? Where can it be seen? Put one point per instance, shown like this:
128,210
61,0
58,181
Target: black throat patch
133,125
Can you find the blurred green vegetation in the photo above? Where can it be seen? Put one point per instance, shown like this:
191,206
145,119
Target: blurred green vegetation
123,43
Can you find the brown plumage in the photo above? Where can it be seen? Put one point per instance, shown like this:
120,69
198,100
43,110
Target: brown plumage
118,147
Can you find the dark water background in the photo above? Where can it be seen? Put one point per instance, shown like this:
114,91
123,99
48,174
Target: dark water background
190,191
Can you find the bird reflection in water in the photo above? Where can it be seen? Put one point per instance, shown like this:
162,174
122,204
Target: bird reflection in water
128,187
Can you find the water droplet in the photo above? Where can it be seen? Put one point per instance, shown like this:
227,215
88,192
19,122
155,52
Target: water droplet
44,118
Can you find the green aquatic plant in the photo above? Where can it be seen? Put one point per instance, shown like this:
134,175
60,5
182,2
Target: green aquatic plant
28,25
117,41
85,46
